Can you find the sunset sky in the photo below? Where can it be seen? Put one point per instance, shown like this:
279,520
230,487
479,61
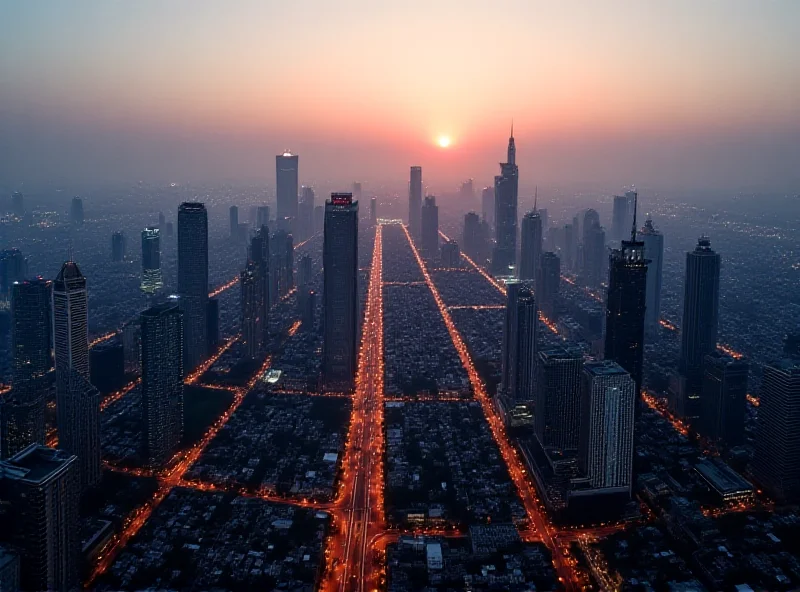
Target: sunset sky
672,93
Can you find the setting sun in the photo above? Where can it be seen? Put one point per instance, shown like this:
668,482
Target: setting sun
443,141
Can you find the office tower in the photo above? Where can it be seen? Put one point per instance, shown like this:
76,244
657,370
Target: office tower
77,401
262,216
625,307
357,191
519,342
558,398
286,167
17,204
451,255
305,221
608,403
594,249
340,292
23,413
234,221
76,211
9,569
699,327
308,303
568,253
487,205
548,283
724,398
304,272
41,487
131,342
619,218
118,244
466,194
162,380
373,211
415,202
471,235
212,324
13,268
259,255
281,265
251,309
151,261
776,462
506,186
577,249
654,251
430,227
170,229
193,280
161,220
530,246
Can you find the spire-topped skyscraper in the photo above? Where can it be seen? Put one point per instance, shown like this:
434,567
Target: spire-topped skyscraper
506,188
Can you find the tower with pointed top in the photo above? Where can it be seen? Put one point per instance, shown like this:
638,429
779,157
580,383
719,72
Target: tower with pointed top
506,188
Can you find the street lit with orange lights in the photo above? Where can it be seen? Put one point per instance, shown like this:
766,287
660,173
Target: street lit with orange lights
118,394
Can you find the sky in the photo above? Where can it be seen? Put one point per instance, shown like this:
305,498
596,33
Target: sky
673,94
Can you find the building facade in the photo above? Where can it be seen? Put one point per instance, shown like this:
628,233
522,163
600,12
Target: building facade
193,280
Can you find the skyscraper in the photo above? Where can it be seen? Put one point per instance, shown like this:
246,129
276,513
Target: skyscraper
259,255
415,202
471,236
373,211
608,404
548,283
699,328
340,293
487,205
151,260
430,227
286,167
594,249
569,246
13,268
234,221
506,187
41,486
251,310
262,216
619,218
776,461
519,338
23,413
118,244
724,398
17,204
193,280
466,194
654,251
625,307
305,222
530,246
76,211
558,398
357,190
451,254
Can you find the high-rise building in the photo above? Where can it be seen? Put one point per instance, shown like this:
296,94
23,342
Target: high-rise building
286,172
373,210
594,249
776,461
118,244
548,283
520,340
569,246
530,246
357,191
487,205
77,401
340,292
608,403
305,221
619,218
13,268
430,227
281,265
76,211
17,204
471,237
234,222
415,202
451,255
466,194
170,229
304,272
558,398
162,380
193,280
699,327
625,307
131,343
724,398
506,188
262,216
259,255
41,487
23,413
151,261
654,251
161,220
251,310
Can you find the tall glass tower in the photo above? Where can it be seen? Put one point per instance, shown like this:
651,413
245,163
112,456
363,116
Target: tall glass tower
286,174
151,260
193,280
506,189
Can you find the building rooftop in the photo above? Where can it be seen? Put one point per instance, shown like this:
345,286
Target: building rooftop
36,464
721,477
604,368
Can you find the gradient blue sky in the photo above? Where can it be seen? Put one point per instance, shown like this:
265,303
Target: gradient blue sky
673,93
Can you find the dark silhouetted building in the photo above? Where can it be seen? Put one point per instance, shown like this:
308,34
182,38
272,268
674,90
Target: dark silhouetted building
430,227
724,398
569,246
558,398
193,281
41,487
472,239
340,295
373,211
152,280
17,204
251,310
170,229
487,205
305,221
519,337
118,245
259,255
654,252
13,268
620,224
451,254
107,366
234,222
548,283
415,202
530,246
286,174
506,189
76,211
594,249
776,461
262,216
162,380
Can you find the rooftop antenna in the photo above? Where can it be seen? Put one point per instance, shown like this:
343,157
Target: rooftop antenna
635,204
